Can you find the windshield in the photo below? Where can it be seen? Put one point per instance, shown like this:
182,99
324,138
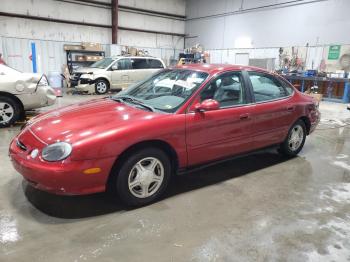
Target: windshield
102,64
5,70
167,90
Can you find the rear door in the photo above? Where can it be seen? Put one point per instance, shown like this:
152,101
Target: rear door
217,134
273,112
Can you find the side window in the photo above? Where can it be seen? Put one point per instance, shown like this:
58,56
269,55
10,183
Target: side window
287,86
227,89
153,63
124,64
139,63
266,87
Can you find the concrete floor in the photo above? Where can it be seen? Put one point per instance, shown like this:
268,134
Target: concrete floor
258,208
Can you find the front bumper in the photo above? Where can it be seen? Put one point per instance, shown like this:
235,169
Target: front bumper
86,85
66,177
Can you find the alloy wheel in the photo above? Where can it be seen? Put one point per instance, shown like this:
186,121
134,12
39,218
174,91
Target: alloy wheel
101,87
296,138
6,112
146,177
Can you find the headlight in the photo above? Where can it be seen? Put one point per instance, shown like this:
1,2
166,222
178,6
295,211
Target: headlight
56,152
87,76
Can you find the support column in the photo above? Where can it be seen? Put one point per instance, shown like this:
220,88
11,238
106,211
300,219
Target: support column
114,21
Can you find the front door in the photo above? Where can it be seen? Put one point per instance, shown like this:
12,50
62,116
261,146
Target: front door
121,75
217,134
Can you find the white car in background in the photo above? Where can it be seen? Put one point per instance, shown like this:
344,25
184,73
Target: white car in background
20,92
115,73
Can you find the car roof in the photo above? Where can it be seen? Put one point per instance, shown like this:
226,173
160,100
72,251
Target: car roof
127,56
215,68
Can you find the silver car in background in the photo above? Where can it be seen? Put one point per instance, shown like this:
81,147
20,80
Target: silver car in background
20,92
115,73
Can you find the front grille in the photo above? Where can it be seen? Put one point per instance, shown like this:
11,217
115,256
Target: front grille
84,81
76,76
21,145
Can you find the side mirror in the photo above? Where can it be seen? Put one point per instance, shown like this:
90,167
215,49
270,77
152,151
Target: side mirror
114,67
207,105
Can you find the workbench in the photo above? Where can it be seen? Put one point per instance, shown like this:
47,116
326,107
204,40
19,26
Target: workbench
334,89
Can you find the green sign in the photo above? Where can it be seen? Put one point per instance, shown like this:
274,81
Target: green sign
334,52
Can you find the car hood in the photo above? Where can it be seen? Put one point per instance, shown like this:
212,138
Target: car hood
86,70
99,117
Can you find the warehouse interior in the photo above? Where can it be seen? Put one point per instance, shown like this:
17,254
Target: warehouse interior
258,205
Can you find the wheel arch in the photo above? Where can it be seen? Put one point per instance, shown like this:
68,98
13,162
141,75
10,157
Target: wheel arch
156,143
15,98
307,123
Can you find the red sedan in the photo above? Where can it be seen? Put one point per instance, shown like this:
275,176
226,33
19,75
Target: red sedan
133,142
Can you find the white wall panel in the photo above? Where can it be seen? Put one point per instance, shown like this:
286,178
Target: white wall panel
321,22
166,6
16,34
58,10
139,21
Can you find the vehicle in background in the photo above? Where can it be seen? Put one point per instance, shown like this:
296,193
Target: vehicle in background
115,73
133,142
20,92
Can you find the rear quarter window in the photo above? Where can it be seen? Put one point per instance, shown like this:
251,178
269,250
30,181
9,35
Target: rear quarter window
154,63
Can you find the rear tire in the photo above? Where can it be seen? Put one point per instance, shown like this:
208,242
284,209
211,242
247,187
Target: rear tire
101,86
142,177
10,111
295,139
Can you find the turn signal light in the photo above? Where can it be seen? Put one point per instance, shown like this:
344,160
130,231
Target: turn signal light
93,170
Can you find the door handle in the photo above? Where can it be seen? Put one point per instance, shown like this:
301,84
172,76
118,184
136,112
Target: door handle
290,108
244,117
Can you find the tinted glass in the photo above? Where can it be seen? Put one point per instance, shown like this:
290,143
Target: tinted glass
167,90
153,63
139,63
266,87
227,89
287,86
124,64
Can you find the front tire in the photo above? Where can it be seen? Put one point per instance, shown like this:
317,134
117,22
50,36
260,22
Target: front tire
142,177
101,86
10,111
295,140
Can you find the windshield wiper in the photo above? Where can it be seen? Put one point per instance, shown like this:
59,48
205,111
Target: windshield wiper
132,100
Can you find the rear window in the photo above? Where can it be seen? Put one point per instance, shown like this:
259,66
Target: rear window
154,63
146,63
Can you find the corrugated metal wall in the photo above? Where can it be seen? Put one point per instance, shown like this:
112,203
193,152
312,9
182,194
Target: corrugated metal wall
51,56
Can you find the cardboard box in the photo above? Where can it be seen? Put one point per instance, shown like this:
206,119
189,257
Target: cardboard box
80,58
318,97
72,47
93,57
133,51
88,46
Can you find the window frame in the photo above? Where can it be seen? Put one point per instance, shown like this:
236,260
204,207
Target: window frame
149,61
270,75
245,86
